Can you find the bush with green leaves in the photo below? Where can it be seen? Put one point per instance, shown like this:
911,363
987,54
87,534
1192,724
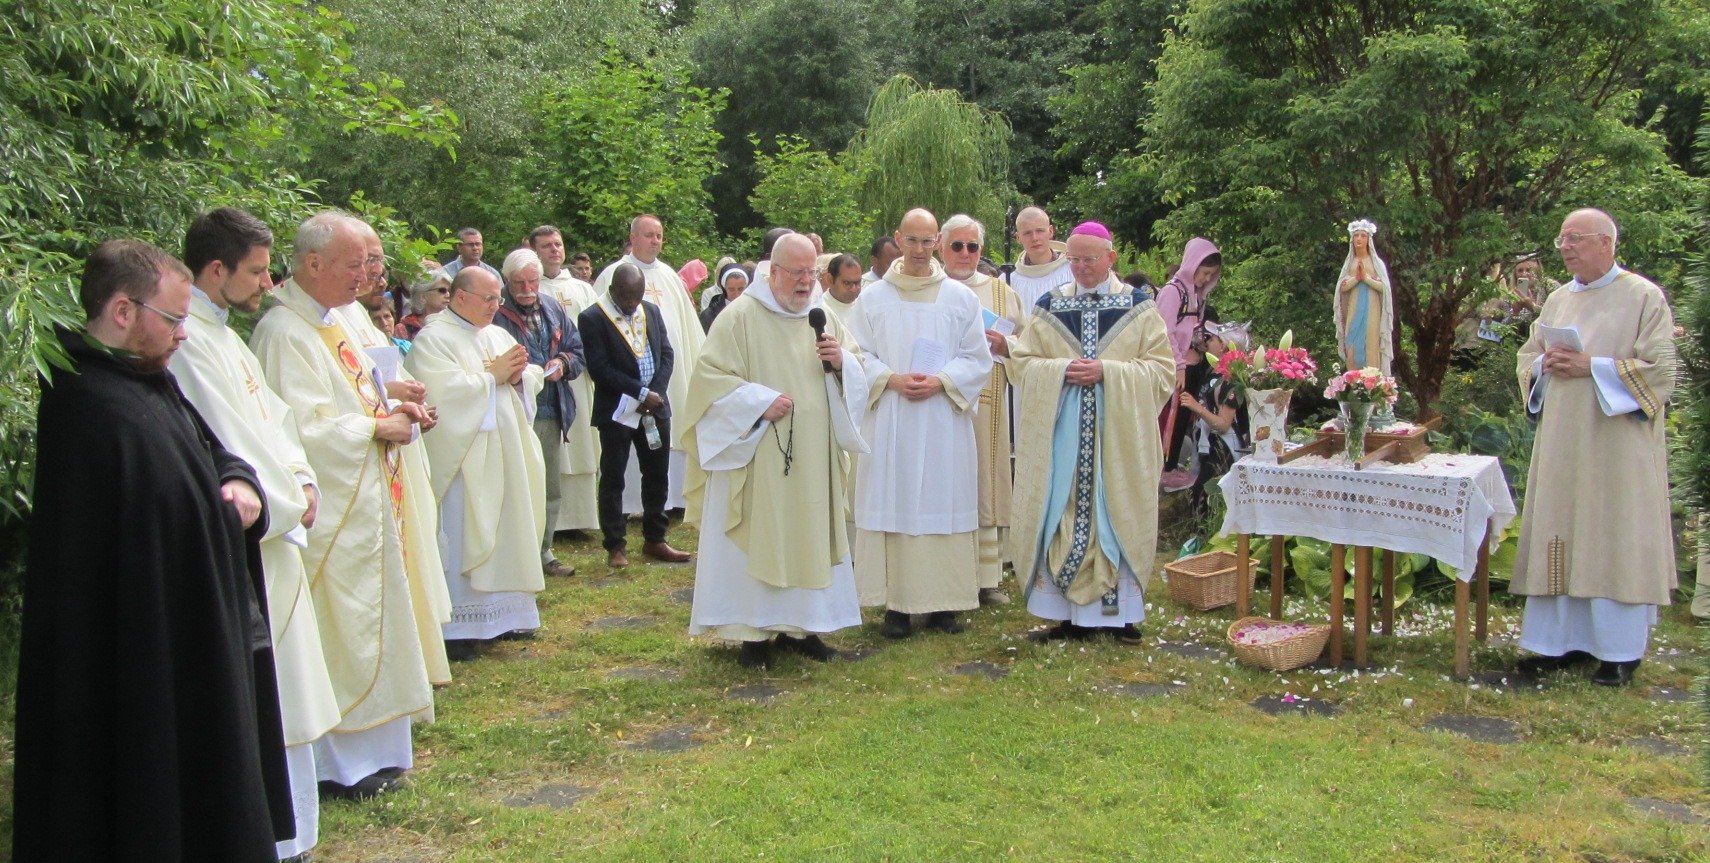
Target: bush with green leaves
810,191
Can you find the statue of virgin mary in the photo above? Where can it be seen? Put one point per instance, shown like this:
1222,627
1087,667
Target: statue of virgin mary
1365,314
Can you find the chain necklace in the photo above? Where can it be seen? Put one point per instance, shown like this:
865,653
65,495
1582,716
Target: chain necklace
788,451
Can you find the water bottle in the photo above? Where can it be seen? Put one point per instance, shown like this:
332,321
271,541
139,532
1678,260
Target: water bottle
651,429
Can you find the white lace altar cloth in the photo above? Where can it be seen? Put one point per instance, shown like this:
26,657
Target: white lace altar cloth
1436,506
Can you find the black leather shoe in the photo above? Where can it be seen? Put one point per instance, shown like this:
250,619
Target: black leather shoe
382,782
1128,634
943,621
896,625
810,647
1063,631
755,654
1539,664
1615,673
460,649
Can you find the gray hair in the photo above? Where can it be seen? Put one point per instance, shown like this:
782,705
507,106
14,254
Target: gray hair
520,259
419,290
959,222
317,232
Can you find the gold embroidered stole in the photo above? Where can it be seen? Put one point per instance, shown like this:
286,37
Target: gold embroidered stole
373,398
635,332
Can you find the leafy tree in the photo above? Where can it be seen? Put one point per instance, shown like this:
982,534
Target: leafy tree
127,120
1465,128
629,139
489,62
809,190
930,148
803,68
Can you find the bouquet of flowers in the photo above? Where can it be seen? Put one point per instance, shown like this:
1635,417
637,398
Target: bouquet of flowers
1367,385
1282,367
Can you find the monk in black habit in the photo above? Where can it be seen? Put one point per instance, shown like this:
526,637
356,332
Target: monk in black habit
148,722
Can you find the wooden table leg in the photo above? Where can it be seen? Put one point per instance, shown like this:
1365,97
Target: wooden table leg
1388,610
1463,663
1278,567
1482,573
1243,574
1362,604
1338,582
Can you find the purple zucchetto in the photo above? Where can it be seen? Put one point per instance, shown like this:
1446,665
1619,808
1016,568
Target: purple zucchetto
1092,229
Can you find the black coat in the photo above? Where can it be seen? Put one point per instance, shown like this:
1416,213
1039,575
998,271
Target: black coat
613,365
148,723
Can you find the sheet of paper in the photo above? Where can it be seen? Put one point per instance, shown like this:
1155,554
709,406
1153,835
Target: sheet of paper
628,411
1001,326
388,363
1567,337
929,357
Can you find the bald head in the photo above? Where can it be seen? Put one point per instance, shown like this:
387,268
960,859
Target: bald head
1034,232
476,295
1587,244
916,237
627,286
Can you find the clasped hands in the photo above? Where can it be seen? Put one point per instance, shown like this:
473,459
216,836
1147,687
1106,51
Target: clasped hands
914,386
1084,372
1567,363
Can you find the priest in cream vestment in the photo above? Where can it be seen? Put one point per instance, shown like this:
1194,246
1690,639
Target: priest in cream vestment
1093,369
1596,555
579,457
664,288
488,475
959,245
229,252
768,429
917,513
356,552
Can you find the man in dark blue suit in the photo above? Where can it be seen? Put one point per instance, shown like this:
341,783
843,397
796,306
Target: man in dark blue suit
629,354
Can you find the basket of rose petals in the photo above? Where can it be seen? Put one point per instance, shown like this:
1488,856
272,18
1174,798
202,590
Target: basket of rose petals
1275,644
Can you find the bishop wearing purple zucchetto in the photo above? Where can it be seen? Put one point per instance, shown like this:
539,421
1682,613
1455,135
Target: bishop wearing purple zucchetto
1093,368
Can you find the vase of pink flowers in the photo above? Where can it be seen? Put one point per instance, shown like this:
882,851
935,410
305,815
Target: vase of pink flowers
1269,376
1357,394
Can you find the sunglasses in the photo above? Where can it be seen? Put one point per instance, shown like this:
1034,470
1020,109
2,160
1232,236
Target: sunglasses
964,246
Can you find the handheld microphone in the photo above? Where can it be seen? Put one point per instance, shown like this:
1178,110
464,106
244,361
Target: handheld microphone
816,319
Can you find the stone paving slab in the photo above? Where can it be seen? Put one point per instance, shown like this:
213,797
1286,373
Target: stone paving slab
759,693
685,595
1658,746
1679,813
642,672
981,668
554,795
1276,705
676,738
1670,694
1484,729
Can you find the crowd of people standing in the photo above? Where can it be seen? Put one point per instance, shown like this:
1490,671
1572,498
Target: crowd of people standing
303,531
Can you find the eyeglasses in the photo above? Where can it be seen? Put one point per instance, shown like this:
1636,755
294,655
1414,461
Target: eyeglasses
1076,260
175,320
799,275
1573,238
964,246
491,301
439,290
920,242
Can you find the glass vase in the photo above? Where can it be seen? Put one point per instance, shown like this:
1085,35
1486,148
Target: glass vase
1356,421
1267,422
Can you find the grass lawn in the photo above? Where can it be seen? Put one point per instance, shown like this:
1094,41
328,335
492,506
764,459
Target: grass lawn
607,739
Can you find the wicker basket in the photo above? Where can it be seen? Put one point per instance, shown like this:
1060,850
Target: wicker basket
1290,653
1206,581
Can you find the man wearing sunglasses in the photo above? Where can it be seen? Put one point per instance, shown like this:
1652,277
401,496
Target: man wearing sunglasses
959,246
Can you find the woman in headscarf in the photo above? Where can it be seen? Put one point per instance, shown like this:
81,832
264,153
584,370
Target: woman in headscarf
732,281
1365,314
1182,302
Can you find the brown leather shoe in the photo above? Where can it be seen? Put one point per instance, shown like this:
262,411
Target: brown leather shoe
664,553
617,559
559,569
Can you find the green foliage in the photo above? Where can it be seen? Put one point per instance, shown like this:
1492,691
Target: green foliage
930,148
796,68
1692,460
629,139
809,190
1463,129
489,62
